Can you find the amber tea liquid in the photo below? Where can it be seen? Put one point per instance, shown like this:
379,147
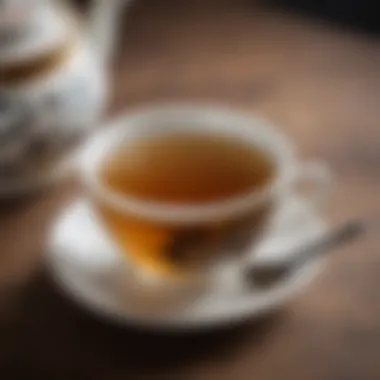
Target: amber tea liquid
183,169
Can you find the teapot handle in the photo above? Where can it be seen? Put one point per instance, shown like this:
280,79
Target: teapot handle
104,22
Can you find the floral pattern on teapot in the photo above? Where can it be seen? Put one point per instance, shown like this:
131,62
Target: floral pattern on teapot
48,119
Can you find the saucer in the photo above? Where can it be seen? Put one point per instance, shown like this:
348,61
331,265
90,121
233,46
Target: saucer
87,266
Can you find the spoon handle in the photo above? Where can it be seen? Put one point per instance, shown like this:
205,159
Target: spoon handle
343,234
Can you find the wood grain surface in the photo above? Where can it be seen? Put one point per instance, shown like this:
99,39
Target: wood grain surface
321,86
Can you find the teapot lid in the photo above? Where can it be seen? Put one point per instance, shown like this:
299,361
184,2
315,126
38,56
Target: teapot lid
29,28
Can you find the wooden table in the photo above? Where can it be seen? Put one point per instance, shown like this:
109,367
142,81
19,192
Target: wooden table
322,87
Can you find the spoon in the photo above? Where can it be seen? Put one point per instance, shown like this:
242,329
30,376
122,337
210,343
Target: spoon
266,274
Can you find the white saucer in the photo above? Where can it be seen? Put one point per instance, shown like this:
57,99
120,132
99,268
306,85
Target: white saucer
87,266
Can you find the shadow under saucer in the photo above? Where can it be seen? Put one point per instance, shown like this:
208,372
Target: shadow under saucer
50,337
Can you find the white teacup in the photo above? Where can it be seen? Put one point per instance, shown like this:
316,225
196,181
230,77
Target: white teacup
253,211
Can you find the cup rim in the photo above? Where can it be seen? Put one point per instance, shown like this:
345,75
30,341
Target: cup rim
97,149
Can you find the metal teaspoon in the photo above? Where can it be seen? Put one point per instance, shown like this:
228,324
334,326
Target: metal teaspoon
266,274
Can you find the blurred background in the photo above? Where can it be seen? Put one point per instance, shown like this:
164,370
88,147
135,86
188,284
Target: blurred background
310,66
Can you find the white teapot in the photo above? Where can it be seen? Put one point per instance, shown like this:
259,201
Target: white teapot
53,85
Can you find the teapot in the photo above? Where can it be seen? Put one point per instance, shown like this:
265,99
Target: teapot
53,85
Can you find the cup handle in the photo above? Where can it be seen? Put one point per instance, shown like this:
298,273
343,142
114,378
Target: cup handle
318,179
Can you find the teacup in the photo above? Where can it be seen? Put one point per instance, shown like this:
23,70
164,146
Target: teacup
149,232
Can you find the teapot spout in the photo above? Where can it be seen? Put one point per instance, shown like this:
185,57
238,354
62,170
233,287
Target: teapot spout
103,26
